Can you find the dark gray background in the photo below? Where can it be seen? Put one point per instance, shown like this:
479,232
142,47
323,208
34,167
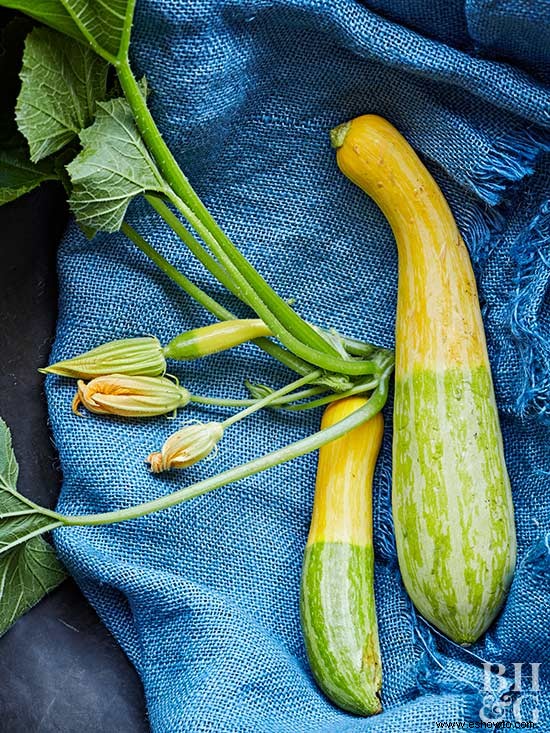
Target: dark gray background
60,669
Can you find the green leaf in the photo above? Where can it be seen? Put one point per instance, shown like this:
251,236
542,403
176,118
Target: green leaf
9,470
18,175
62,81
104,24
50,12
27,574
28,566
113,167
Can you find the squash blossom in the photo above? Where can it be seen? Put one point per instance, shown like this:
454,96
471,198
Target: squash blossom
134,356
118,394
189,445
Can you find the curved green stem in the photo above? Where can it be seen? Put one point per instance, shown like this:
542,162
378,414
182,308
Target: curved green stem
354,347
162,154
282,455
329,361
194,246
360,348
268,307
200,219
228,402
271,398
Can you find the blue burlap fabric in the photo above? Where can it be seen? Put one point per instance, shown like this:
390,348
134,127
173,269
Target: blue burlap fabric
204,597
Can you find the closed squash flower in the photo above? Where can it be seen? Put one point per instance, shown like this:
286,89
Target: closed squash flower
189,445
117,394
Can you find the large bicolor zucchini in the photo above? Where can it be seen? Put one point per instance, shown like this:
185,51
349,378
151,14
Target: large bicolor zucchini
452,505
337,595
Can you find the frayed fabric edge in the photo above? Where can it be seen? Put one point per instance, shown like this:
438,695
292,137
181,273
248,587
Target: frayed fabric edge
531,252
510,159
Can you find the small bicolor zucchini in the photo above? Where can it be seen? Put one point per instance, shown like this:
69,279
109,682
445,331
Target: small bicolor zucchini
452,505
214,338
337,594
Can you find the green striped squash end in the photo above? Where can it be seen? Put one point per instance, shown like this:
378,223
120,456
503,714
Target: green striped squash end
339,623
452,504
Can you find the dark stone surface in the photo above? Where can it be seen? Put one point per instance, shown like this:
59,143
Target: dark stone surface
61,670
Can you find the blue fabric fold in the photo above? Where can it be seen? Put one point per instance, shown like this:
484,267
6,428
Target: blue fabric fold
204,597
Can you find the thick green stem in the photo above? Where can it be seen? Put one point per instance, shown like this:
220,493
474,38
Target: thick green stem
277,352
194,246
198,216
171,171
282,455
330,362
354,347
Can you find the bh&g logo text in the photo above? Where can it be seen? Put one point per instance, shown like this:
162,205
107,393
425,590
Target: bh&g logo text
500,694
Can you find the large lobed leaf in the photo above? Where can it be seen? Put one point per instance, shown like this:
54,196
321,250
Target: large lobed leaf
29,568
105,24
17,173
62,80
50,12
113,167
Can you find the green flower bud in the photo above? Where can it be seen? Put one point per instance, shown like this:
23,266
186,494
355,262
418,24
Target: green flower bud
189,445
258,391
135,356
117,394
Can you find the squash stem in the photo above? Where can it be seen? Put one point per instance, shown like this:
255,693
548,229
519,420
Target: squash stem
338,135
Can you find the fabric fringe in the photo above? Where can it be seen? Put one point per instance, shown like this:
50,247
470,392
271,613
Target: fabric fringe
384,524
512,158
480,227
531,252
